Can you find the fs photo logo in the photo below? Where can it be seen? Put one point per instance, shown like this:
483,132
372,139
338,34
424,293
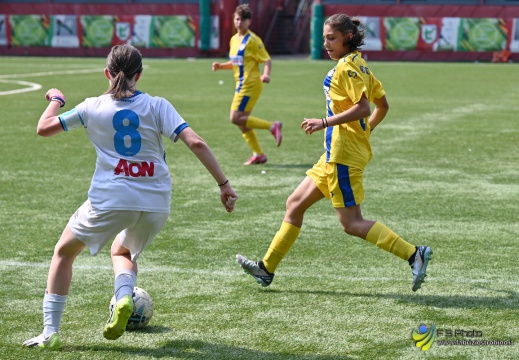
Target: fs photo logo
424,336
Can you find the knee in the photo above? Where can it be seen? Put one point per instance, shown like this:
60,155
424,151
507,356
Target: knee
293,206
351,228
119,250
235,119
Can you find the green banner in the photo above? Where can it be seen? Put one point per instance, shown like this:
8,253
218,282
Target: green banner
29,30
401,33
482,35
98,31
172,32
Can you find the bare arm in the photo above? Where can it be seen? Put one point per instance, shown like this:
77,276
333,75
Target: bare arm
266,71
358,111
219,66
202,151
379,113
49,123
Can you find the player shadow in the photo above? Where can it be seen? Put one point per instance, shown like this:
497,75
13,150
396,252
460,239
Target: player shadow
511,301
199,350
288,166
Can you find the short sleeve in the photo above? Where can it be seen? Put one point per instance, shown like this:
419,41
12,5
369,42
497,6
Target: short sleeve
171,122
351,80
261,53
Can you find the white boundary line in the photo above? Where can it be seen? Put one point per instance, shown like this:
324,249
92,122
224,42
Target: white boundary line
30,87
35,86
6,264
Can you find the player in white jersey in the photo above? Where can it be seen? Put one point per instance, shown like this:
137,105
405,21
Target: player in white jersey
130,194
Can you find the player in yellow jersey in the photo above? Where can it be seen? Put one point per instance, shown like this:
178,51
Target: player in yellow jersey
349,89
246,53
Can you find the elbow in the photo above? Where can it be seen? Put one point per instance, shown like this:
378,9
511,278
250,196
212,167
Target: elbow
366,111
197,145
42,132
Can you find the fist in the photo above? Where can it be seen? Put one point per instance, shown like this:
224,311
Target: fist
55,95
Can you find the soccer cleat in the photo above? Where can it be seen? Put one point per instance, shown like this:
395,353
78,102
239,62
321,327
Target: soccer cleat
256,270
421,259
53,342
119,315
276,132
256,159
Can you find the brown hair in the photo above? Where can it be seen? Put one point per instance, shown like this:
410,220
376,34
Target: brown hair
243,11
346,25
123,63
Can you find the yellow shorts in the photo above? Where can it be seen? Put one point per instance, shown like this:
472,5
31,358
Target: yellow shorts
340,183
244,100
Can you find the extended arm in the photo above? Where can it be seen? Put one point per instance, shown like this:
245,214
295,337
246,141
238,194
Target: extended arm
202,151
218,66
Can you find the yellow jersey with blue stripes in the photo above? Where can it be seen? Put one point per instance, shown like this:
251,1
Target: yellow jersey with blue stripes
348,143
246,53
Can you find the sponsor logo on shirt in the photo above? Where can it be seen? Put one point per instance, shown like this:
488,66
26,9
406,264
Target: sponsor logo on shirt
134,169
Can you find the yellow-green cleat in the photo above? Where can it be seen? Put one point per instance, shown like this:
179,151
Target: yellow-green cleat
53,342
119,315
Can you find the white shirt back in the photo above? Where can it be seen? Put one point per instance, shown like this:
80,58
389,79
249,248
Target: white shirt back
131,172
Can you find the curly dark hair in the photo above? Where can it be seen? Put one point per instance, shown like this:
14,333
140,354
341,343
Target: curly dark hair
243,11
347,25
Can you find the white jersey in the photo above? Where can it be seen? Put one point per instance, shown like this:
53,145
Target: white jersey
131,171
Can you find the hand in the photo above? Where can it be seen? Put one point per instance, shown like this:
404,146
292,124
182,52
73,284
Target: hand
216,66
265,78
55,95
312,125
228,197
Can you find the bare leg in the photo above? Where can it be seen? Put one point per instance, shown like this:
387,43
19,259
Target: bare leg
60,272
121,258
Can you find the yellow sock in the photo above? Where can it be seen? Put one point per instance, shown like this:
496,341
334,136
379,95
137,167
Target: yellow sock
251,140
257,123
280,245
386,239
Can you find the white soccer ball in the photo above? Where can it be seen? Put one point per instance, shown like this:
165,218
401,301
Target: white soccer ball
142,309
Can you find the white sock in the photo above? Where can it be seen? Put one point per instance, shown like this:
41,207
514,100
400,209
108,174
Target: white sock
53,307
124,284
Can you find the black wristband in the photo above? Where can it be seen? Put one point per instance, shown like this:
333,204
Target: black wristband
225,182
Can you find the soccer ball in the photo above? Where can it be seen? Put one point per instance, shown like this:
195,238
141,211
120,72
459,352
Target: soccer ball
142,309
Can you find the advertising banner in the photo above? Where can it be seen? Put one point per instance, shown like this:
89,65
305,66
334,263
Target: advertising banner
172,32
123,29
97,31
448,40
3,30
514,36
482,35
401,33
29,30
372,32
430,31
64,31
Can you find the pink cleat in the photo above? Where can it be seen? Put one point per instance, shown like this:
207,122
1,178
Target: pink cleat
256,159
276,132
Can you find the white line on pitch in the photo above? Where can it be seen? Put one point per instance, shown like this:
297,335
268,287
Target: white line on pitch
30,87
6,264
50,73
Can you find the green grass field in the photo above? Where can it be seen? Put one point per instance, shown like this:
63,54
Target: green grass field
444,173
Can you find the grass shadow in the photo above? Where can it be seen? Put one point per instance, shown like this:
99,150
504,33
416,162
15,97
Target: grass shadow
196,349
511,301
